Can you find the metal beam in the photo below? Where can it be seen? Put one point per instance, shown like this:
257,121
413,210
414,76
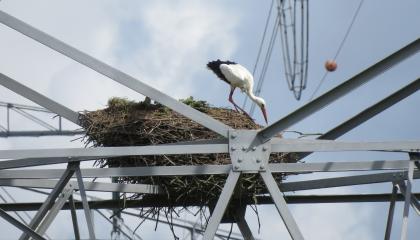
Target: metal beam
243,225
25,107
207,169
37,97
37,157
113,73
263,200
391,213
407,196
281,206
372,111
40,133
345,181
55,156
74,218
339,91
20,225
89,186
369,113
300,145
120,172
85,203
102,152
55,209
36,220
414,201
34,119
339,166
221,205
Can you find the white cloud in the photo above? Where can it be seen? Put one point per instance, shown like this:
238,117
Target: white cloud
177,48
180,37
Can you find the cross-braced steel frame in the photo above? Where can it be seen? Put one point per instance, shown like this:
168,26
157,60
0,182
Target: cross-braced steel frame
27,112
249,151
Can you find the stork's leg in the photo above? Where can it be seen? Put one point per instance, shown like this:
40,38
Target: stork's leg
232,89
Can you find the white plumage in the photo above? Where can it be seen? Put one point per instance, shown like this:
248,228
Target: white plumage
237,76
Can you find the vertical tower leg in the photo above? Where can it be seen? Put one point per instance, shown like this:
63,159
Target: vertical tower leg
407,202
391,213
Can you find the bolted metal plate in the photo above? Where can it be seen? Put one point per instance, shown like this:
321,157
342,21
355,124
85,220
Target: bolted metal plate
246,152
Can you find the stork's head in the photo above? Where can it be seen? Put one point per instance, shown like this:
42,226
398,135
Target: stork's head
261,103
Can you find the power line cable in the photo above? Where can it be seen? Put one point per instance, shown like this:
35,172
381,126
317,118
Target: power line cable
339,48
261,45
266,63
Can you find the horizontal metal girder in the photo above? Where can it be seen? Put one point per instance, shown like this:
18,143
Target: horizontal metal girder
102,152
301,145
31,157
120,172
89,186
339,166
207,169
113,73
41,133
339,91
290,199
279,145
345,181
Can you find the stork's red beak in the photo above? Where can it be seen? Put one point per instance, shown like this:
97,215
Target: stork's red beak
264,113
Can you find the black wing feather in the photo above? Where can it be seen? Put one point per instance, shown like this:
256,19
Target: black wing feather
215,67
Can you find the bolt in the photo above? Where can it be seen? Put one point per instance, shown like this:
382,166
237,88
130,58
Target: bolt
264,149
258,160
244,148
262,167
233,136
239,160
236,167
254,148
232,148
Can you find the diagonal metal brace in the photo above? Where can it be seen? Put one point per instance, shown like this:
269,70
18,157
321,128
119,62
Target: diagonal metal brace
20,225
46,206
113,73
281,205
414,201
391,212
55,209
221,205
242,224
85,203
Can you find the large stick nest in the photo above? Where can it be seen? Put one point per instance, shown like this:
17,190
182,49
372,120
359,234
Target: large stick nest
127,123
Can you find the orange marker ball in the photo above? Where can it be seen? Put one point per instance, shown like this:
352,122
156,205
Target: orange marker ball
330,65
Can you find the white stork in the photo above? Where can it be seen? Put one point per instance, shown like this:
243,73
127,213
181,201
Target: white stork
237,76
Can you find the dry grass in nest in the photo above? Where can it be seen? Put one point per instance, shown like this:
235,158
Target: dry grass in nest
127,123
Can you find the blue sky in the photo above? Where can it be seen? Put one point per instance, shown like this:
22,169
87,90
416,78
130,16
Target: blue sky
167,44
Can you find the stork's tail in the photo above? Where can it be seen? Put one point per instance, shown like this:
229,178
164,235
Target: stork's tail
215,67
